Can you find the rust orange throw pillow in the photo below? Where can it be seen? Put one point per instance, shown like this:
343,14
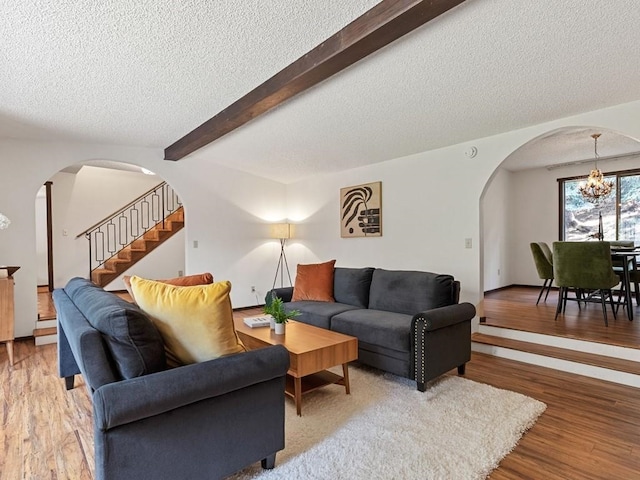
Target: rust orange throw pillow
186,281
314,282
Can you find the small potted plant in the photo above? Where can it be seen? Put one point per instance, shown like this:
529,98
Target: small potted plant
280,316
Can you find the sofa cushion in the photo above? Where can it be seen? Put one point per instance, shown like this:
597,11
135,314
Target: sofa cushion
386,329
196,323
318,313
185,281
410,292
351,286
133,342
314,282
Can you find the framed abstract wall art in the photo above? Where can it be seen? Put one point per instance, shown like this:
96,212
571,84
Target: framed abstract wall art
361,210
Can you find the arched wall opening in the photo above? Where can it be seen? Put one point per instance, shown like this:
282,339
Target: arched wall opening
83,195
520,201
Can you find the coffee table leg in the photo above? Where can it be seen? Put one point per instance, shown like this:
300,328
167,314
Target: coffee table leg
297,382
345,374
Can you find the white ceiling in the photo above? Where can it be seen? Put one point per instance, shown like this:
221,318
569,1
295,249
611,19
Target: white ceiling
145,73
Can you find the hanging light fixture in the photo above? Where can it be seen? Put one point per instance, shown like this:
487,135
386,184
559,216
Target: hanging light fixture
4,222
595,187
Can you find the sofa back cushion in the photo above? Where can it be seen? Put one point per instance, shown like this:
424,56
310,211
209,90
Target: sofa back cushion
132,340
410,292
351,285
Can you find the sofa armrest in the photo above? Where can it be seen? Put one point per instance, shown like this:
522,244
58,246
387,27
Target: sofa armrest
441,341
130,400
285,293
444,316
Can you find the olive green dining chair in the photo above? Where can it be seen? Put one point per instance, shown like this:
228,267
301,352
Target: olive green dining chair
585,268
634,275
543,259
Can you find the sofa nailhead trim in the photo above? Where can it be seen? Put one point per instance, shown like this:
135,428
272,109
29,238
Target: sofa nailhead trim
419,340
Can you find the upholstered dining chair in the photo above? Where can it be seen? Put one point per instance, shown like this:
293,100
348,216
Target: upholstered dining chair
618,266
584,267
543,259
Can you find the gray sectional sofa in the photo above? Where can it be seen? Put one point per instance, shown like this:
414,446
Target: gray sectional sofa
150,422
408,323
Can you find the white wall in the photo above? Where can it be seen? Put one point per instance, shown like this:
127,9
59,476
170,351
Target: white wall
496,222
41,238
431,203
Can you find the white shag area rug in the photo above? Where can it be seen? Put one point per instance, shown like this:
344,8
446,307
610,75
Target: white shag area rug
456,430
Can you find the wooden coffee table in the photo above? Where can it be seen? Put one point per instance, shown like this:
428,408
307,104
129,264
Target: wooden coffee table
311,351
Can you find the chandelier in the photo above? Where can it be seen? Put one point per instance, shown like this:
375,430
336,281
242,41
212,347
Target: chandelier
595,187
4,222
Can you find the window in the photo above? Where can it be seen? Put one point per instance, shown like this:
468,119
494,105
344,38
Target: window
620,210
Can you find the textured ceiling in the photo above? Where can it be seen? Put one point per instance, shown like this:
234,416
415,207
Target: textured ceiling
145,73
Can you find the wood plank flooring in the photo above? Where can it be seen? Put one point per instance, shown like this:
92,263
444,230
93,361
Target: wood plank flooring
516,308
46,309
591,429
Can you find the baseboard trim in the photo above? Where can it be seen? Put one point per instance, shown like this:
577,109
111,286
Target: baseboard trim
240,309
506,287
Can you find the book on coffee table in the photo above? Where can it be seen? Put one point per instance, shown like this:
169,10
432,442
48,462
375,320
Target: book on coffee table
255,321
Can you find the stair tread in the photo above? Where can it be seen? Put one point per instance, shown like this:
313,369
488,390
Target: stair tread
41,332
593,359
104,271
145,244
117,261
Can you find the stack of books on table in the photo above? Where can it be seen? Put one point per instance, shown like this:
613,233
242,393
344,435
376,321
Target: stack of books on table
257,321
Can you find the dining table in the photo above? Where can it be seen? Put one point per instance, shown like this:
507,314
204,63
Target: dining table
624,262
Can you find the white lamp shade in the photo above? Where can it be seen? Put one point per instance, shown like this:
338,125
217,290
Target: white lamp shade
280,230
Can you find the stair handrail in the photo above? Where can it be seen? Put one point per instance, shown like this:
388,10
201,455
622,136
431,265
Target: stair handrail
117,212
129,223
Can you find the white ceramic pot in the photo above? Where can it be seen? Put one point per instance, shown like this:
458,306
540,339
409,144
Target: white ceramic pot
280,328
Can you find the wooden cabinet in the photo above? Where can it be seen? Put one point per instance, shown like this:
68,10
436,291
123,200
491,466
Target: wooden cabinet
6,313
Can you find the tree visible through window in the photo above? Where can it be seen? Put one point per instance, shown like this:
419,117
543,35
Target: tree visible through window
629,223
580,217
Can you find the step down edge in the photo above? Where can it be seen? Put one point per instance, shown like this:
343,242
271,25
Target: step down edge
600,373
596,348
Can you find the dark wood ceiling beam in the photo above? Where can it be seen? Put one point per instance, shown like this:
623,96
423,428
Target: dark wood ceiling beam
378,27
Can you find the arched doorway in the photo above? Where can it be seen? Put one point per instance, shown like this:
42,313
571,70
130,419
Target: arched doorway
521,204
82,197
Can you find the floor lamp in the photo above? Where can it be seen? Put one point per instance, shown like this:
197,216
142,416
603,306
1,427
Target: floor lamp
281,231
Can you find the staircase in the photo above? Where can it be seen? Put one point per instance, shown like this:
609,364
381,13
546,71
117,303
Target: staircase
119,241
595,360
138,249
124,238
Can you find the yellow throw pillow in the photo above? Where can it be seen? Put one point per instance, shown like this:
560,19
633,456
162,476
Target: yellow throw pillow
196,323
187,281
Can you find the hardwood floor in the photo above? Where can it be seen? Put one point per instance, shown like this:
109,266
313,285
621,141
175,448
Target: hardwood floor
46,310
516,308
590,430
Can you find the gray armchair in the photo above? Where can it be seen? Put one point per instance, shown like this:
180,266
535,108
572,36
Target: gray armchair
200,421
